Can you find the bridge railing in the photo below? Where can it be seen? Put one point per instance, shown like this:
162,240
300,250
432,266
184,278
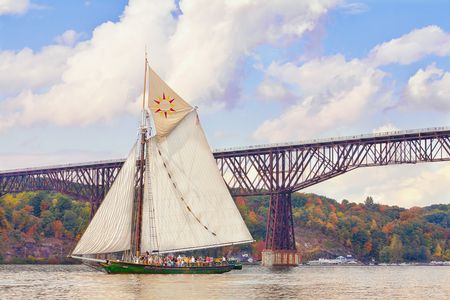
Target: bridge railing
335,139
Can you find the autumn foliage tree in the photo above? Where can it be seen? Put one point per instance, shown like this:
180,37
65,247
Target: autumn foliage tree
369,230
31,216
57,228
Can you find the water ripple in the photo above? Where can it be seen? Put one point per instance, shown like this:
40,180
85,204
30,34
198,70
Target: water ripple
253,282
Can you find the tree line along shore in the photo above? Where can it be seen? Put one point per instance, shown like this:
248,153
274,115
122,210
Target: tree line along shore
43,227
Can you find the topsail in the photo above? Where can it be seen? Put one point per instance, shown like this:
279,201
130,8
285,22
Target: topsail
166,107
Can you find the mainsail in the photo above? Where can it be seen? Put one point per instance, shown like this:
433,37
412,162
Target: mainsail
110,229
187,205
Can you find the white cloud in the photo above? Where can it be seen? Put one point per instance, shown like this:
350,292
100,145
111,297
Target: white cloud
102,76
213,37
354,8
27,70
14,7
197,52
402,185
68,38
411,47
385,128
331,92
429,88
273,90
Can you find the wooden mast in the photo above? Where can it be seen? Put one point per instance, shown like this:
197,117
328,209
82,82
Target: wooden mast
141,166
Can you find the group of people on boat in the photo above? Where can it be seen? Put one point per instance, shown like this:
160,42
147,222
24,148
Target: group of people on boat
181,260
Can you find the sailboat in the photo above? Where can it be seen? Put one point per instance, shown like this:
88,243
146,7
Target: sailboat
168,197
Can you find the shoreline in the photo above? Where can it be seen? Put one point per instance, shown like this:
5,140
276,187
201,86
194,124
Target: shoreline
443,264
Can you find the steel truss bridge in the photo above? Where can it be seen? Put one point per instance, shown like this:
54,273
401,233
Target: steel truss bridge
277,170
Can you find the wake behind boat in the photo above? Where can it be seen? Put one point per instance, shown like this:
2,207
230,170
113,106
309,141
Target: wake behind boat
169,196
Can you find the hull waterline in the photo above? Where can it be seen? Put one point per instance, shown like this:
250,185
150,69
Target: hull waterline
119,267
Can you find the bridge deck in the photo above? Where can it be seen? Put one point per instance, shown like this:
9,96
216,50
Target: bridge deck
382,136
35,170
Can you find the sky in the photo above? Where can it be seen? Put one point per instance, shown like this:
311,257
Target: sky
259,71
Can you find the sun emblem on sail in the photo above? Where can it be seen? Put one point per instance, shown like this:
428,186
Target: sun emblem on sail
164,106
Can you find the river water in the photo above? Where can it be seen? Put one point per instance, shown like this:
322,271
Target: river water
253,282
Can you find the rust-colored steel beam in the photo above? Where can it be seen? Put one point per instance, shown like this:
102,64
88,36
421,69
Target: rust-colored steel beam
280,224
87,182
291,167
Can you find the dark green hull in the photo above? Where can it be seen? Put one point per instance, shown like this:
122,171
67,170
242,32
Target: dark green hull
118,267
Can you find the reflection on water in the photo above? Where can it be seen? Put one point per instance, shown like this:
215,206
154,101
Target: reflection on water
253,282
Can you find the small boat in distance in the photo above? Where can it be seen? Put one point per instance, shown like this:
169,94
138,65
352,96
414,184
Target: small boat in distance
169,196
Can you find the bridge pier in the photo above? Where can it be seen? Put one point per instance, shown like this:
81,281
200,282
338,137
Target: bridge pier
273,258
280,239
95,204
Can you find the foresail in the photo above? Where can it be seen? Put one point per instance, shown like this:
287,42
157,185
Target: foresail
186,202
110,229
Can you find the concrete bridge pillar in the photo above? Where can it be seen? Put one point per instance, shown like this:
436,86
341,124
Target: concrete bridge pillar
280,240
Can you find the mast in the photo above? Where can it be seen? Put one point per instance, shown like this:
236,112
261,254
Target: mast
143,132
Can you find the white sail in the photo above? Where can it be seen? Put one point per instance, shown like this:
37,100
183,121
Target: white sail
110,229
187,205
166,106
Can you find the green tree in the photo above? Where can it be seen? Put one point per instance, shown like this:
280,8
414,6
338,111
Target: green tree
424,254
47,219
369,201
385,254
359,240
35,202
70,221
64,203
396,249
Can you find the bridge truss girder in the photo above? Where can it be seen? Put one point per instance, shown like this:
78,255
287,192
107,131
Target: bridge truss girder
88,182
280,171
292,168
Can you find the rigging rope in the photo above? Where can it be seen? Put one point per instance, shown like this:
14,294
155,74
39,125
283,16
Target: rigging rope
181,195
151,207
